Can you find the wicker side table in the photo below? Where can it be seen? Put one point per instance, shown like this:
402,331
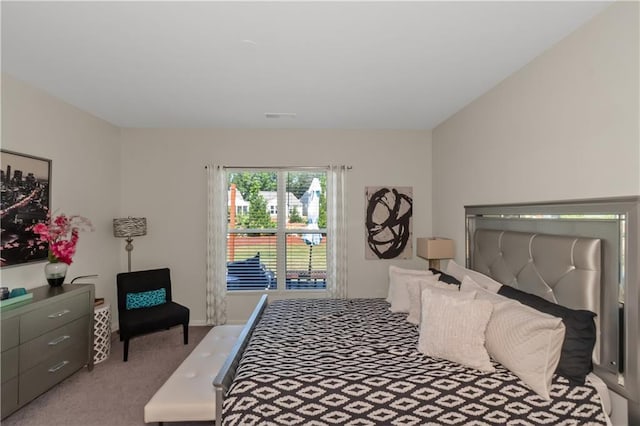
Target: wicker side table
101,333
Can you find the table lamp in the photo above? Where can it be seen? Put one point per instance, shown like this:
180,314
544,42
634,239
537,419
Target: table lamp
434,249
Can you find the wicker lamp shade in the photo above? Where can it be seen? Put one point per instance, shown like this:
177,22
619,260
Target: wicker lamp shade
130,227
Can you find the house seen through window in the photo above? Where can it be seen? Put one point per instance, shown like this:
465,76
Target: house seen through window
276,232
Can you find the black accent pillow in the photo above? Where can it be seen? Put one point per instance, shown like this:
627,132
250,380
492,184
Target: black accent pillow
580,333
445,278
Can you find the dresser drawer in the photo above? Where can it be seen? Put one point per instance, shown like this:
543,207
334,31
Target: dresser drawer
45,375
53,315
9,364
9,397
10,332
72,336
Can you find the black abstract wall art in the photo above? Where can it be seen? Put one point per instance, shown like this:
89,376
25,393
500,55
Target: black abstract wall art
388,222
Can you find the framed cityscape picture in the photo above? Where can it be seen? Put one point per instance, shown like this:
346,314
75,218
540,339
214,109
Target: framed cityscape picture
25,182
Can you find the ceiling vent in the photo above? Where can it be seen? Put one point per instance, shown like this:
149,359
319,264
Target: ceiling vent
280,114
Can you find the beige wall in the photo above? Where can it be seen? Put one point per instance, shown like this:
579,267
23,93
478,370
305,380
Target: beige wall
85,177
164,180
563,127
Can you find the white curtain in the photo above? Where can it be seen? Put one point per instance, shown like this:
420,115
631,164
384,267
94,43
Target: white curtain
337,232
216,245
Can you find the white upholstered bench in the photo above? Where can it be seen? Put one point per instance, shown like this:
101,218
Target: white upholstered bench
188,395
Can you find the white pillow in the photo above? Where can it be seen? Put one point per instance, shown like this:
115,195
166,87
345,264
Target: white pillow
453,327
398,294
415,287
522,339
484,281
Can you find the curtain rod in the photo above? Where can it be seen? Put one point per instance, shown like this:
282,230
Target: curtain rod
280,167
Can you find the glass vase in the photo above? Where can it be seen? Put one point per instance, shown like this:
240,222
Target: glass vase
55,272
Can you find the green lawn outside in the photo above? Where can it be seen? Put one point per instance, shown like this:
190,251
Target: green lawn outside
297,253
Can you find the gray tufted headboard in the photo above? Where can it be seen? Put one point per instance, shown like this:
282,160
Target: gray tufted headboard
565,234
562,269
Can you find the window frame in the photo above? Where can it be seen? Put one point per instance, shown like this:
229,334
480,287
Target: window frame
281,231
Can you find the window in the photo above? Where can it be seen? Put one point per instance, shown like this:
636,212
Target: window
271,248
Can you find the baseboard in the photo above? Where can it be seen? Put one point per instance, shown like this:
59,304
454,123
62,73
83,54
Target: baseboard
198,323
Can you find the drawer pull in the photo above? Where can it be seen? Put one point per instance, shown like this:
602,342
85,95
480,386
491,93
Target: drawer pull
59,314
58,366
59,340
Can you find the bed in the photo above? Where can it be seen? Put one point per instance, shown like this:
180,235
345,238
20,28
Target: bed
354,361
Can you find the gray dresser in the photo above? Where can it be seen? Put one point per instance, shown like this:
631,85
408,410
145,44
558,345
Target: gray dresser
44,341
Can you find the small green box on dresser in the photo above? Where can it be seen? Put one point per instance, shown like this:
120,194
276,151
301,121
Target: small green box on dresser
44,340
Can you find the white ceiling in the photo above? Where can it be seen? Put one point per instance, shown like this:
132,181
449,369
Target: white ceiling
393,65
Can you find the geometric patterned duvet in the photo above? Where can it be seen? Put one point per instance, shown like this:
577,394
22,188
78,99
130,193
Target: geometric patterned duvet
353,362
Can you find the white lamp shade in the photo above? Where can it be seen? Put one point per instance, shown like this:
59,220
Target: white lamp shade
435,248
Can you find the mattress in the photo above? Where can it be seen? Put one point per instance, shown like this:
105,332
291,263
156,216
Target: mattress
353,362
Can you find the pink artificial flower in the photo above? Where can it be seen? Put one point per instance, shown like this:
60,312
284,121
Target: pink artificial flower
62,234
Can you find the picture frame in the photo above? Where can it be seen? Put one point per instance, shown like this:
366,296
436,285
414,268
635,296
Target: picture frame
388,222
25,184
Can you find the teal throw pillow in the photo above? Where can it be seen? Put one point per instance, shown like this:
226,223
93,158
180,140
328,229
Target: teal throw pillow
146,299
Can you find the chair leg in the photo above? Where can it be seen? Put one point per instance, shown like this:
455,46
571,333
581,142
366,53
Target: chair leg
126,350
185,332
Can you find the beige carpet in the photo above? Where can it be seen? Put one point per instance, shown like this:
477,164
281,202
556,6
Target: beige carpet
115,392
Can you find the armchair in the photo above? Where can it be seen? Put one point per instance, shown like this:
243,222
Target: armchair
145,305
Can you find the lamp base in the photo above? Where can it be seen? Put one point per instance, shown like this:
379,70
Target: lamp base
434,264
129,249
